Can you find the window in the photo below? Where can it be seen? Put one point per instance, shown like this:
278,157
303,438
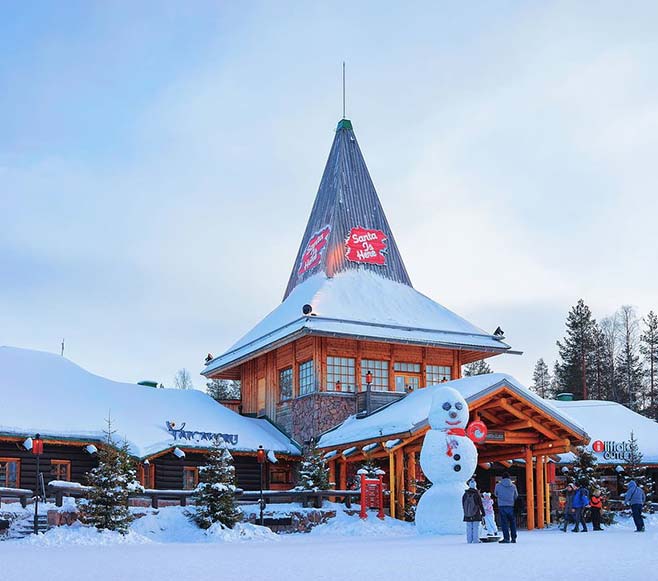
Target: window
61,470
306,378
379,371
280,476
147,475
437,374
409,367
341,369
190,477
10,470
285,383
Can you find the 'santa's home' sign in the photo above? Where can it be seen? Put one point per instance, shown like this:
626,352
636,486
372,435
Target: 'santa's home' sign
313,251
365,245
180,433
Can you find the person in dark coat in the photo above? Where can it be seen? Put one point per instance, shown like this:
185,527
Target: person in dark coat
507,495
636,498
580,503
569,510
473,512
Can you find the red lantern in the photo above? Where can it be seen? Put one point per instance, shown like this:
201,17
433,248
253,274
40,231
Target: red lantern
368,378
37,445
260,455
338,385
477,431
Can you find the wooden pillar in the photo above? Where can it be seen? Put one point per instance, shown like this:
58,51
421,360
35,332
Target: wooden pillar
411,472
391,484
343,475
539,484
399,484
530,489
547,495
332,479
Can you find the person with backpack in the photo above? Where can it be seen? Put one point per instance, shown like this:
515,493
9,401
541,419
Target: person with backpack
507,494
635,498
596,504
473,511
580,503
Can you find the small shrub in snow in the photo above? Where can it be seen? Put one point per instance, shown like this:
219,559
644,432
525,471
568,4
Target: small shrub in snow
106,506
313,472
214,496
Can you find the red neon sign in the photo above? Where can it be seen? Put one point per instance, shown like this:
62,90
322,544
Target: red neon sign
313,251
365,245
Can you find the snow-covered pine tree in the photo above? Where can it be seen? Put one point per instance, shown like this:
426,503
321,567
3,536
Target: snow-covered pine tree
649,349
480,367
635,470
106,506
630,374
574,368
214,496
220,389
541,379
313,472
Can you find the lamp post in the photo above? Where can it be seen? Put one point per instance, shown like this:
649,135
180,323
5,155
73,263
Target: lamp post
368,396
37,450
260,456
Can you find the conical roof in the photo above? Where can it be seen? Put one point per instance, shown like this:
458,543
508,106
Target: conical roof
347,228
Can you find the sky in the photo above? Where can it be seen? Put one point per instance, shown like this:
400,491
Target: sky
159,160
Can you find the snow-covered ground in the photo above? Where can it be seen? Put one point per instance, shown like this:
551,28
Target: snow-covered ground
167,546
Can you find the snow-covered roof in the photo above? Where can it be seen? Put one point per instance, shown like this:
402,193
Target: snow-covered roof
410,413
608,421
48,394
363,304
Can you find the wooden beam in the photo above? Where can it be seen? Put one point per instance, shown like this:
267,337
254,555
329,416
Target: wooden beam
391,484
530,489
547,494
520,425
490,417
539,484
399,484
343,474
534,424
411,471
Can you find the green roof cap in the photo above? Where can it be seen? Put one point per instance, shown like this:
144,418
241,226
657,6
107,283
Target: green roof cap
344,124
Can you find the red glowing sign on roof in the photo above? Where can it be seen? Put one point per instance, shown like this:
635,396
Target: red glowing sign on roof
313,251
365,245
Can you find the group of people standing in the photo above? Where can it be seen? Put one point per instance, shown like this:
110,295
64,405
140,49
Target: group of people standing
480,507
577,501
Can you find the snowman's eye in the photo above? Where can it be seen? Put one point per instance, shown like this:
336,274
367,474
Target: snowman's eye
446,406
459,405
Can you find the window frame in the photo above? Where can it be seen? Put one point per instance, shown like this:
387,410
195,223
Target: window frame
195,471
56,465
16,461
378,372
446,376
291,371
141,475
303,375
343,369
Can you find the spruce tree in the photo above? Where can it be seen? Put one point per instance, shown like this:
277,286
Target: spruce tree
629,367
214,496
221,389
480,367
649,349
575,351
541,379
635,470
112,481
313,472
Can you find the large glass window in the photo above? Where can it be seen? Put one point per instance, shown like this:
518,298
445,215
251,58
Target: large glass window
10,472
437,374
379,372
341,369
306,377
60,470
408,367
285,383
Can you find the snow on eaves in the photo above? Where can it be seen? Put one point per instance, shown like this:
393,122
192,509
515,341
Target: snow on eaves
364,304
48,394
410,413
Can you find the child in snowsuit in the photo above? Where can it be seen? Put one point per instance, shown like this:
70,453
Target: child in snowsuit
596,504
489,519
473,512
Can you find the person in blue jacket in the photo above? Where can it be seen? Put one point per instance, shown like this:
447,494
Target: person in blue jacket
579,504
635,498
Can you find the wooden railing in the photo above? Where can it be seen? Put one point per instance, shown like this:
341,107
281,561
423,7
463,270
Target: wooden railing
21,493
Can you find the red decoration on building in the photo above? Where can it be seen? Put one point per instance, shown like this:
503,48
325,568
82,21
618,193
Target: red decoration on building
313,251
477,431
37,445
364,245
372,496
598,446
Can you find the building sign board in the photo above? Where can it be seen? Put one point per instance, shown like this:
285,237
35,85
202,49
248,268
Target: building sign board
611,450
496,436
366,245
193,436
312,255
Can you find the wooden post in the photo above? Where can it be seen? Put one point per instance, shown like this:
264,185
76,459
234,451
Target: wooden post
539,484
411,472
399,484
343,475
391,484
547,495
332,478
530,489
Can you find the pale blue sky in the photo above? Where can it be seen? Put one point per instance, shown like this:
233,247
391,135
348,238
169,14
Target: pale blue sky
158,161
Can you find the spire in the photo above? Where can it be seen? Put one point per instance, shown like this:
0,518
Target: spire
347,228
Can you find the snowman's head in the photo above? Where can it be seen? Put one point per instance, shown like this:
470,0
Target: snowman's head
449,410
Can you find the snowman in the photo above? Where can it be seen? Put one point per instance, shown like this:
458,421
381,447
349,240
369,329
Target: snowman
448,458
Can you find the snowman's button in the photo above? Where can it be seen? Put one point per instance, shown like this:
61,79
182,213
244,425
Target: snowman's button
457,457
457,467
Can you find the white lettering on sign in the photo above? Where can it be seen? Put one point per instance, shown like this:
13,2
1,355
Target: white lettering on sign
195,436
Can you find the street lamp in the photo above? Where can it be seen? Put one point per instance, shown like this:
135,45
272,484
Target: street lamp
368,396
261,457
37,450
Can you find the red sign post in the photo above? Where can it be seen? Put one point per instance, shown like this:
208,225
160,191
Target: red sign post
372,495
365,245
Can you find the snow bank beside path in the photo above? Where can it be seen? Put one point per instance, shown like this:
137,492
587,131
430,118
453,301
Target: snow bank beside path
345,525
78,534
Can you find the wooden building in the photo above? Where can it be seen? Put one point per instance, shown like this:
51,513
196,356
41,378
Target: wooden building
352,334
